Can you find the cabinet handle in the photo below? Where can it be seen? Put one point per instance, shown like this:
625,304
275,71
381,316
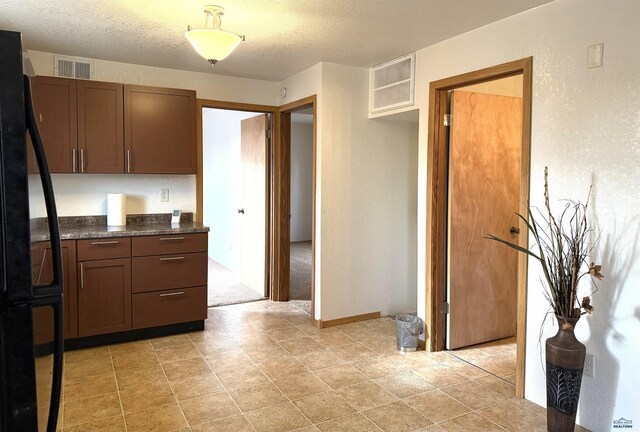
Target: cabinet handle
81,275
73,159
81,160
105,242
171,238
172,259
128,161
172,294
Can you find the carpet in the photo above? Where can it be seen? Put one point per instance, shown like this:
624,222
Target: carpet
300,273
305,305
225,288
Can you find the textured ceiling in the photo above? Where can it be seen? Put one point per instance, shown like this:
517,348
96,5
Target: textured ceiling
283,37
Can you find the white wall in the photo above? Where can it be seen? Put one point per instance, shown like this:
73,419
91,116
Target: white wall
301,176
222,183
366,190
369,187
86,194
586,128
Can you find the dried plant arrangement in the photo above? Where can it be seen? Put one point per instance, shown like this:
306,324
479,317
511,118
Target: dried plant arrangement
562,246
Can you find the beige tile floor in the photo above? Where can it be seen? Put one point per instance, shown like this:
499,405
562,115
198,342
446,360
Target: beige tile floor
262,367
496,357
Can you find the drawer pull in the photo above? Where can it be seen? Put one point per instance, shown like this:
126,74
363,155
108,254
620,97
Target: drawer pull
172,259
172,294
105,242
81,275
171,238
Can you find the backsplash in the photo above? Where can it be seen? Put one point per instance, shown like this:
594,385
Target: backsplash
100,220
86,194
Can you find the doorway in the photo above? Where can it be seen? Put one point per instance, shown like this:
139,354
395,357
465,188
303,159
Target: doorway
301,208
483,188
295,212
235,203
471,189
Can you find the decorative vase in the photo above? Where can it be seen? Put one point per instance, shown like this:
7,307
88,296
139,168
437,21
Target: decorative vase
565,362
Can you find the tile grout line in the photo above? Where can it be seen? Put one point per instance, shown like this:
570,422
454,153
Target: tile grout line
113,367
184,416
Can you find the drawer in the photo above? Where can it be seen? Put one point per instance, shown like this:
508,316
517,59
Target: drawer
156,273
105,248
169,307
169,244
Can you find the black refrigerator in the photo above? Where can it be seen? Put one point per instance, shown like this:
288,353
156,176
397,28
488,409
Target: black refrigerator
31,303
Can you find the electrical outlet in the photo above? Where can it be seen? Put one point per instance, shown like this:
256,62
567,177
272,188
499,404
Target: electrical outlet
164,195
589,366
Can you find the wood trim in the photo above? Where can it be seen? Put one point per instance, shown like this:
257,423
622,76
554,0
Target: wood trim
299,104
436,178
346,320
210,103
274,119
282,189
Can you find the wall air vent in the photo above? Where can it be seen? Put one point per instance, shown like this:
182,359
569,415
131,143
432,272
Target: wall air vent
391,84
72,67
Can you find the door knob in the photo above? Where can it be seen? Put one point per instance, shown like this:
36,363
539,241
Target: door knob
241,210
514,230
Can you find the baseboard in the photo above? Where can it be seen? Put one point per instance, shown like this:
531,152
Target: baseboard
346,320
422,344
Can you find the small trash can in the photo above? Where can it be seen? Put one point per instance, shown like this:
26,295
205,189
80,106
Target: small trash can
408,328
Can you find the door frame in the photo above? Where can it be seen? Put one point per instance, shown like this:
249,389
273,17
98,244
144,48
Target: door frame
269,196
437,173
281,187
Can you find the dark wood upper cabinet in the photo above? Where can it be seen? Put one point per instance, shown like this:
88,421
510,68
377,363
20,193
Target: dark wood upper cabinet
159,130
54,102
104,296
100,127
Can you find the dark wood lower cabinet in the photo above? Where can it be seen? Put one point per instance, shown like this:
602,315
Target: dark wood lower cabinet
109,294
42,274
104,296
169,307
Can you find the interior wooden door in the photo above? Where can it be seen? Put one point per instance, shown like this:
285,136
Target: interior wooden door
253,209
484,187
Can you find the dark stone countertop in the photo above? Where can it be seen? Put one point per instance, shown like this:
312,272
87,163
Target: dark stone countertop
88,227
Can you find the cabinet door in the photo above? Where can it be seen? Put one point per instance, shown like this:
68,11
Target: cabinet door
42,266
104,296
54,102
100,127
159,130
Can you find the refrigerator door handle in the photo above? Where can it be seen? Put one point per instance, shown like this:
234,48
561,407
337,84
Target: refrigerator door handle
55,288
55,302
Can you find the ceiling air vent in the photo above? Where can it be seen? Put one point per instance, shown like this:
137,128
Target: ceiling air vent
391,84
72,67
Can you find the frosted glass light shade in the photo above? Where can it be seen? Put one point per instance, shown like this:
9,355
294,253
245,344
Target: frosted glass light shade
212,44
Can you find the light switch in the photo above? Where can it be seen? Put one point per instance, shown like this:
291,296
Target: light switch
595,55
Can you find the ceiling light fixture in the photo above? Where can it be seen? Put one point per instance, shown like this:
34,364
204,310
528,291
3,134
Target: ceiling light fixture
214,44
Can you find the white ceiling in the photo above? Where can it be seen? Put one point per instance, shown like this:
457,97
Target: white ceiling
283,37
